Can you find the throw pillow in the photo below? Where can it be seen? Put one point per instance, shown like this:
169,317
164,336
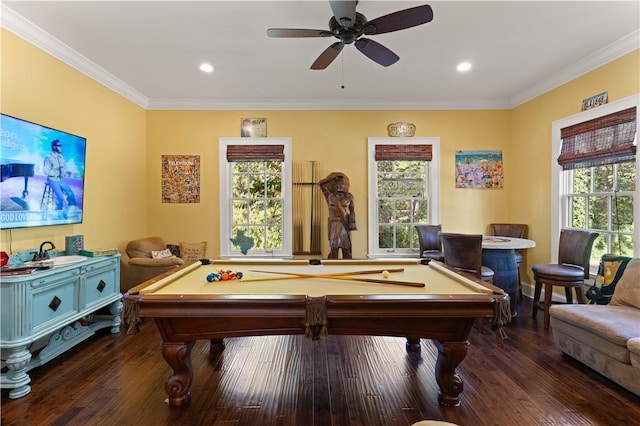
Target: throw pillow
628,288
174,249
609,272
159,254
193,251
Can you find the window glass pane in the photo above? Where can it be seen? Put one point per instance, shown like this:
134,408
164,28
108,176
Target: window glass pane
622,214
274,185
578,212
581,180
403,236
385,166
385,211
239,167
403,211
240,187
274,237
274,211
256,211
598,213
603,178
599,248
420,211
622,245
255,166
385,237
627,176
258,234
240,213
256,186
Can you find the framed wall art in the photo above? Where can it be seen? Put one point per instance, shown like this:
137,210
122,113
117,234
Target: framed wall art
253,128
479,169
180,178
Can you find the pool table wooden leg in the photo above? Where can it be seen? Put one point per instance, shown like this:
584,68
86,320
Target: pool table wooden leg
413,344
216,345
450,355
178,386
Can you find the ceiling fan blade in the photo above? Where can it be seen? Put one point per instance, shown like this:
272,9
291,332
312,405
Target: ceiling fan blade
293,32
326,57
399,20
344,12
376,52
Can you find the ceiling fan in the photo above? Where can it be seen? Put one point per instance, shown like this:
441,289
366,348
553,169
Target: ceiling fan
349,27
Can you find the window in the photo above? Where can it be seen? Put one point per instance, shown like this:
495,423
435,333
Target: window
595,178
255,196
403,191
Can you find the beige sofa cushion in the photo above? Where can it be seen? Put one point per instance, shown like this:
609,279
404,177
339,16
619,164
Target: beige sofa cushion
143,247
193,251
627,291
616,324
634,348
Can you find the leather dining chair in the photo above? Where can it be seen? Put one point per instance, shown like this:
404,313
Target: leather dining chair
572,269
515,230
464,252
429,239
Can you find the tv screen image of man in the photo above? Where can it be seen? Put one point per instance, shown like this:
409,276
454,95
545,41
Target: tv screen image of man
55,170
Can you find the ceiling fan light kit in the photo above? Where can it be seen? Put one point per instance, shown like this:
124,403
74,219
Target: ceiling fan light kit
349,27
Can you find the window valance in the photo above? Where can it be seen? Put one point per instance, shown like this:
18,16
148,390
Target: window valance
403,152
255,153
608,139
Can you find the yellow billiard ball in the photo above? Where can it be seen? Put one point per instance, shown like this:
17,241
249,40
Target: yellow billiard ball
385,274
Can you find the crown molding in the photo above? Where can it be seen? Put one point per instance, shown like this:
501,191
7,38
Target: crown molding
324,104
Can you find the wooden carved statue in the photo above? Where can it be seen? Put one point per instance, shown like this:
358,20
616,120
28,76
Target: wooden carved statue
342,216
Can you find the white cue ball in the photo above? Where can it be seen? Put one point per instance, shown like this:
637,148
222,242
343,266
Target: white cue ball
385,274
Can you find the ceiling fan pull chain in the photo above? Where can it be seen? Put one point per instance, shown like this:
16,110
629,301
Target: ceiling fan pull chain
342,76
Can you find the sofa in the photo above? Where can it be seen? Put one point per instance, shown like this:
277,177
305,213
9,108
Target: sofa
606,337
144,259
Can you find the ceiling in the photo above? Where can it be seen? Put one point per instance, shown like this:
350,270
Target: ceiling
150,51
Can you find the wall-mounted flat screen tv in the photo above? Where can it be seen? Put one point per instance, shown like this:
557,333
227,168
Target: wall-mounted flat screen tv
42,175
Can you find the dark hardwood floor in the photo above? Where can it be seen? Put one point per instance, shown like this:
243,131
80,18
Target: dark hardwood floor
338,380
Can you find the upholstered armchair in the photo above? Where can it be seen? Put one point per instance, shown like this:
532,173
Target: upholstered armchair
137,262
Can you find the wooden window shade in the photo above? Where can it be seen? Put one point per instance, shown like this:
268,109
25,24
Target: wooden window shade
255,153
603,140
403,153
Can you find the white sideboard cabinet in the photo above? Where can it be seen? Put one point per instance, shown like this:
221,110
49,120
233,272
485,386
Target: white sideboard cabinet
48,312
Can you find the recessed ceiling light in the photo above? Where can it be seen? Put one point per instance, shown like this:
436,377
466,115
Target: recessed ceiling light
206,68
464,66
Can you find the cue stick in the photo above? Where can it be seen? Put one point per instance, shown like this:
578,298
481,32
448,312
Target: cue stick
297,219
294,274
344,277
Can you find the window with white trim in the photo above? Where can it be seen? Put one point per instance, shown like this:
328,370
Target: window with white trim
403,176
595,173
255,197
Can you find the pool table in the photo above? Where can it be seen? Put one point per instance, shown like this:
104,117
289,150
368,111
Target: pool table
347,297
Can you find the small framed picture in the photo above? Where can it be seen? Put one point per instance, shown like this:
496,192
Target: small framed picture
253,128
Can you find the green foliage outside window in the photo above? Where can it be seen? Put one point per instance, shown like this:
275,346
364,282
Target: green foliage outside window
602,200
257,204
402,203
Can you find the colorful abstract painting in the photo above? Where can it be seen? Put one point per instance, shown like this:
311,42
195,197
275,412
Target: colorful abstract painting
180,178
479,169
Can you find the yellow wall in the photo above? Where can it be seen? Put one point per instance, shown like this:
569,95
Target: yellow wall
337,140
39,88
531,144
125,145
